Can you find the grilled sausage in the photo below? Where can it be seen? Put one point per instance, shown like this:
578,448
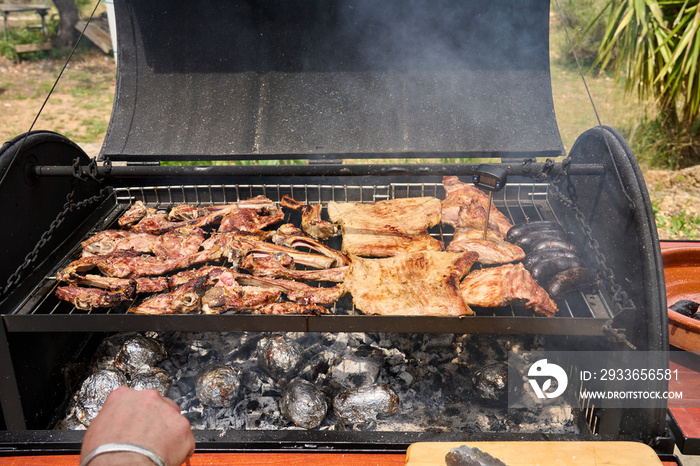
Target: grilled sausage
543,271
577,278
540,255
524,229
527,242
554,243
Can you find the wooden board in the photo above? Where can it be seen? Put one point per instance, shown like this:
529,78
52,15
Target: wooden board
542,453
97,36
23,48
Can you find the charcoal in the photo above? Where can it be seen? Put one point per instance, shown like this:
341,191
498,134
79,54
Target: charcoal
303,404
491,381
218,386
354,372
687,308
467,456
94,391
278,356
140,354
364,404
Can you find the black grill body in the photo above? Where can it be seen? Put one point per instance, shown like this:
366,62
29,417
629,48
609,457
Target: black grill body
191,86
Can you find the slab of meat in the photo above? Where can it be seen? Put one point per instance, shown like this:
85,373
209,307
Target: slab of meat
90,298
387,228
236,246
464,205
311,221
298,292
499,286
211,272
108,241
134,214
491,251
268,265
291,308
131,264
229,295
251,216
182,300
424,283
286,236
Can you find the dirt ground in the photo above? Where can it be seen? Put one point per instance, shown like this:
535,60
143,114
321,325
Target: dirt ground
81,105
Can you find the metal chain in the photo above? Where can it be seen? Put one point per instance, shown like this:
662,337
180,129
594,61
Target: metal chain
68,207
620,297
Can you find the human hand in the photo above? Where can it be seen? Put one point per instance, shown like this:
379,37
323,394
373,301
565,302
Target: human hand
144,418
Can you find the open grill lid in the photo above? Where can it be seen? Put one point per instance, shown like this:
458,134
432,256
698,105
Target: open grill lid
332,79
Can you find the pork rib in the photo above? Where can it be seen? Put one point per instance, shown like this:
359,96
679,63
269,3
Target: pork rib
311,221
88,298
229,295
182,300
499,286
268,265
424,283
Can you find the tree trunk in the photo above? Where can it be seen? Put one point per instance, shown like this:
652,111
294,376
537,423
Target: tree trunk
68,18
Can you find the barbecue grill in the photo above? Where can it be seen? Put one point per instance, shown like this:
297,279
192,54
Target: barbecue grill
324,101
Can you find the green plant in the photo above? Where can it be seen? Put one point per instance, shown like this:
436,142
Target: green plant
655,47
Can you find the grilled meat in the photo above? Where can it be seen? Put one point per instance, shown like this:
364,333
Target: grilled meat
122,289
266,265
183,212
151,284
291,308
178,242
499,286
211,272
418,283
287,237
108,241
237,246
182,300
132,264
296,291
311,221
135,213
229,295
249,220
90,298
465,204
491,251
387,228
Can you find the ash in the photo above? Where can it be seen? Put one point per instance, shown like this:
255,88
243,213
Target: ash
444,382
432,375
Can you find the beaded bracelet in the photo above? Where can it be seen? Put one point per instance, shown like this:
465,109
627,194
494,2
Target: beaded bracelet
123,447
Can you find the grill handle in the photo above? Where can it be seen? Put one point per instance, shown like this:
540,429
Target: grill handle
461,169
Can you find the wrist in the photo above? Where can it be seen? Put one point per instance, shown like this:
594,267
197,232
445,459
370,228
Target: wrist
121,458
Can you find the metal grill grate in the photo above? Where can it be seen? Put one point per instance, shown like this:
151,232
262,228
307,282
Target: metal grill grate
580,313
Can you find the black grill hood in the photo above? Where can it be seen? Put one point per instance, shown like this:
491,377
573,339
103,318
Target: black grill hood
332,79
